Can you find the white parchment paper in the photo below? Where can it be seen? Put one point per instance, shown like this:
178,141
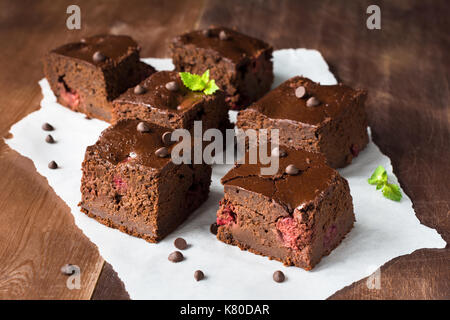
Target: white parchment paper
384,229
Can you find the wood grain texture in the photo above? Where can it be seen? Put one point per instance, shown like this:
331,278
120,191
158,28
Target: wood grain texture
38,234
404,66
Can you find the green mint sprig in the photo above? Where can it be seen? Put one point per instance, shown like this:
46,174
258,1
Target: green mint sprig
196,82
380,179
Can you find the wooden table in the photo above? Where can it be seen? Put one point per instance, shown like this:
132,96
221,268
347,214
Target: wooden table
404,66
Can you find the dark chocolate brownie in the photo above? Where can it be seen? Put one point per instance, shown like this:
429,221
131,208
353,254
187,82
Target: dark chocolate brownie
130,183
86,76
296,216
241,65
163,99
326,119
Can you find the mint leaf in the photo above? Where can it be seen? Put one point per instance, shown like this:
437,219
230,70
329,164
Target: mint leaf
192,81
392,191
378,177
196,82
211,87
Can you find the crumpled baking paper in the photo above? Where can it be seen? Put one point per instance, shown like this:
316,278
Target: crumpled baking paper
383,230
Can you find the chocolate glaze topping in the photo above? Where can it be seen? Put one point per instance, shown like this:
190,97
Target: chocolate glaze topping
118,142
114,48
288,190
158,96
235,47
282,103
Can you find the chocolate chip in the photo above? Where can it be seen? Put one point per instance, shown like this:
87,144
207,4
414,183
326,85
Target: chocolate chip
292,170
223,35
83,40
52,165
180,243
47,127
312,102
67,269
98,56
308,160
143,127
176,256
300,92
172,86
49,139
162,152
206,32
166,138
278,276
277,152
199,275
213,228
139,89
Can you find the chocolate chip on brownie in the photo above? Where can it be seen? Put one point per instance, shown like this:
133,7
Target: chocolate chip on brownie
98,56
166,138
277,152
143,127
139,89
162,152
292,170
300,92
223,35
312,102
172,86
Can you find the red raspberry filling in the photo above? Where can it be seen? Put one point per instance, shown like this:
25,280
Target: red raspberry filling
69,96
120,184
225,216
290,231
329,235
354,149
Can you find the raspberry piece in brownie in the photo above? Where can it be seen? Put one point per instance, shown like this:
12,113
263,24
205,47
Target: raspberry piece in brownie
86,76
295,216
130,185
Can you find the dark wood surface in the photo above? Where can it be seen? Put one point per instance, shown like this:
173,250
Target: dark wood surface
404,66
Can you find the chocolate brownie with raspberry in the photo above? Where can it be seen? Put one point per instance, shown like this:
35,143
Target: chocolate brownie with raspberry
240,64
130,183
295,216
164,100
329,119
86,76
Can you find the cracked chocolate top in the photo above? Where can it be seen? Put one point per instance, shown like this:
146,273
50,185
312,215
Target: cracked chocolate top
124,143
111,47
283,103
158,94
289,190
228,43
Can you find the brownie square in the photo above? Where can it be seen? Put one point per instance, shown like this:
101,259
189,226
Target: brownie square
163,99
318,118
296,216
241,65
86,76
128,185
